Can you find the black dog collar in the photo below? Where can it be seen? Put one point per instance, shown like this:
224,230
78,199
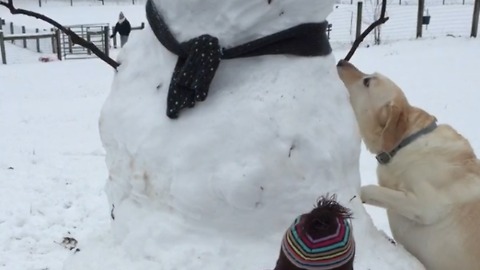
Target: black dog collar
385,157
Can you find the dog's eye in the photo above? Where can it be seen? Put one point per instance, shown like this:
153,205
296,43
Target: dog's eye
366,81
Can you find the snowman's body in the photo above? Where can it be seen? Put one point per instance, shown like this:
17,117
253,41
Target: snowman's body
216,188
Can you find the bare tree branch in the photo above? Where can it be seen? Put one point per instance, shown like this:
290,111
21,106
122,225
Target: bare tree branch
73,36
367,31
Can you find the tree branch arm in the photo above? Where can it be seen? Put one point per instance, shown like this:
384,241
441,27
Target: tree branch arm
76,39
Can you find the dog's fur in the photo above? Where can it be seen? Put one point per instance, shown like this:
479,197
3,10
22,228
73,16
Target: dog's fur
431,187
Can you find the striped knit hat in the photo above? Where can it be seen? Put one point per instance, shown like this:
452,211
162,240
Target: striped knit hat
319,240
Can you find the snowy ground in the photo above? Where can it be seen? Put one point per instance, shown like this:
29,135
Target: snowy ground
451,19
52,168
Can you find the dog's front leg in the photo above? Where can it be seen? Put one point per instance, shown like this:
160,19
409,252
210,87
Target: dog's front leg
407,204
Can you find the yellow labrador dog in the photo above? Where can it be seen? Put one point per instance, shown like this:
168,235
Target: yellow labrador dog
428,175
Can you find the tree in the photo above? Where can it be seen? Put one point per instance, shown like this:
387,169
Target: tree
95,50
76,39
381,20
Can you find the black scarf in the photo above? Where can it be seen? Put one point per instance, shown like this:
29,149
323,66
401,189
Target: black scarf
199,58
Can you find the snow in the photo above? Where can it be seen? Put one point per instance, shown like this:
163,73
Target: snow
220,185
445,19
51,160
81,14
57,185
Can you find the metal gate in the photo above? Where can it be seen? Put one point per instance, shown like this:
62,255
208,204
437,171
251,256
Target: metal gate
98,34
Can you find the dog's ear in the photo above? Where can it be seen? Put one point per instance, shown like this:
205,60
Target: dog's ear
395,126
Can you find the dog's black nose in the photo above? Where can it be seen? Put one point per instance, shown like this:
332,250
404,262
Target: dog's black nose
341,63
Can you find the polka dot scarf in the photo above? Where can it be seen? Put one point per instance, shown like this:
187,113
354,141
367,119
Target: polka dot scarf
192,75
199,58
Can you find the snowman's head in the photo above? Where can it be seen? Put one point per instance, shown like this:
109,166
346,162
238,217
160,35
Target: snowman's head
235,22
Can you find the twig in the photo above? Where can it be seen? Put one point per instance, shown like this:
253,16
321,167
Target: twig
367,31
73,36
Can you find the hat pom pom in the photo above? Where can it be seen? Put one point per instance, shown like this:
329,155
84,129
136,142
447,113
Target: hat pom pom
323,219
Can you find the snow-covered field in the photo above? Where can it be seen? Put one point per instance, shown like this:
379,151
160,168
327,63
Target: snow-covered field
451,19
52,167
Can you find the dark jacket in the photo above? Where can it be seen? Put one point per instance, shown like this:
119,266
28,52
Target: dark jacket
123,28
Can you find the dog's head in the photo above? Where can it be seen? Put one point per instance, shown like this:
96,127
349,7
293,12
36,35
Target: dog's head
382,110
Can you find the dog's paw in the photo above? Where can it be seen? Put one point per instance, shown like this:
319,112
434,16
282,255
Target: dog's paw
368,194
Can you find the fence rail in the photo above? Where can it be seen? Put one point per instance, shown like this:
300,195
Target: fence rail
37,37
412,2
406,21
42,3
94,33
55,42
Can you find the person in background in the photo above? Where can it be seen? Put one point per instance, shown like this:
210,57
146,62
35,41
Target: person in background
123,28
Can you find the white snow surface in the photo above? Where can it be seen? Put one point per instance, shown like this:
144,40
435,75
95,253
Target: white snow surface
218,187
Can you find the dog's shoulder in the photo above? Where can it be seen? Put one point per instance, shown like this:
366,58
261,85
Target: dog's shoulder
439,157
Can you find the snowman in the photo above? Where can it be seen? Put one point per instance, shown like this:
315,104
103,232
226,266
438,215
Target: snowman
225,121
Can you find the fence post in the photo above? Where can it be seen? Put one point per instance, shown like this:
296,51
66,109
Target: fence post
421,6
58,44
40,3
38,40
54,47
24,39
12,31
106,39
71,2
358,32
70,44
89,40
476,12
114,39
2,49
377,30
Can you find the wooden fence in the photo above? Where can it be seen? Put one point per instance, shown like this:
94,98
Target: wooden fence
36,45
72,2
53,40
24,37
406,21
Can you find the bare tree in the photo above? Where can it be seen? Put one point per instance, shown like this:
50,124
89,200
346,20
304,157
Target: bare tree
76,39
89,45
381,20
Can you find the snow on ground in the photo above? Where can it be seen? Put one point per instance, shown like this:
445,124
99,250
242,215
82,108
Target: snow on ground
233,169
17,55
52,168
82,14
50,139
445,19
